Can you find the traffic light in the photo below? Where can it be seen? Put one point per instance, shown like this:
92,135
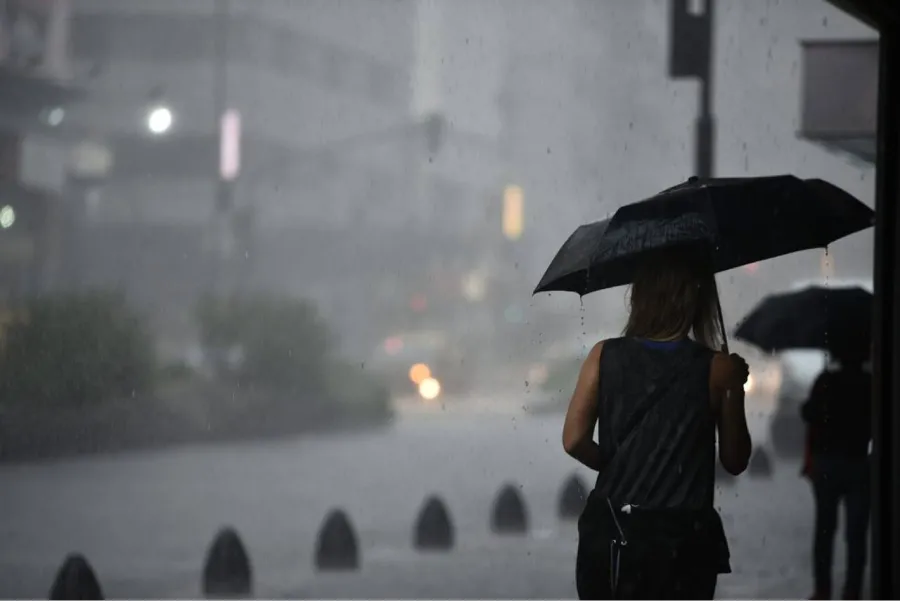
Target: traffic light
690,39
435,126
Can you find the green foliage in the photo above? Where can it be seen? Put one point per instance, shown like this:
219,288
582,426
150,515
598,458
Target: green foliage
287,349
284,343
75,348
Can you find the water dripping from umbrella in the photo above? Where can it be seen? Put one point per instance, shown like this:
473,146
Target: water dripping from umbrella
581,304
581,310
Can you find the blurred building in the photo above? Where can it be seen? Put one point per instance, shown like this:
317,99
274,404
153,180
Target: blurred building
344,186
300,74
840,96
399,161
321,90
521,84
35,90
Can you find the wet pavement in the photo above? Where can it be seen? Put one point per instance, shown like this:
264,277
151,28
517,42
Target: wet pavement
144,520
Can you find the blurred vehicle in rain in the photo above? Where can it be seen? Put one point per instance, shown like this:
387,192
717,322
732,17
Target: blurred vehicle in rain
557,368
765,380
427,363
800,369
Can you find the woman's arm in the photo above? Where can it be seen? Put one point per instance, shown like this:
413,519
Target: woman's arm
581,417
728,376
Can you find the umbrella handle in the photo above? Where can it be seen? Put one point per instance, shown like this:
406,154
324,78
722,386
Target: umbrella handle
722,325
724,333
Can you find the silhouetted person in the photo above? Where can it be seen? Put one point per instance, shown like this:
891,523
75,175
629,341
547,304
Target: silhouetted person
649,529
838,414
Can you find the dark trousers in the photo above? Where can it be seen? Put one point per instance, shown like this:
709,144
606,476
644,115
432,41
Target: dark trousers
837,479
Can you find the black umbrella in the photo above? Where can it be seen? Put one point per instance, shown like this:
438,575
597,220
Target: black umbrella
569,269
741,221
838,320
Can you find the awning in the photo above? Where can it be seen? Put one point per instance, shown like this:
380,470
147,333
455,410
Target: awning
840,96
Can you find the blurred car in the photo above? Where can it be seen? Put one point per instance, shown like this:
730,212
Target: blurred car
426,363
765,379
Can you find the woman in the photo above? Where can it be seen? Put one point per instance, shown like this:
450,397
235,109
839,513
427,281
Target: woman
649,529
838,414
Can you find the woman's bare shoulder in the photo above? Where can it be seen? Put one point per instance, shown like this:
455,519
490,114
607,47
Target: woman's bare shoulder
592,360
597,350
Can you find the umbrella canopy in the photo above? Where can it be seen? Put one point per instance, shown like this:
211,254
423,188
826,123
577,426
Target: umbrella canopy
740,221
568,271
838,320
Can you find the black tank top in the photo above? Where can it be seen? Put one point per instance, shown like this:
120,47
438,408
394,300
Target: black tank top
656,425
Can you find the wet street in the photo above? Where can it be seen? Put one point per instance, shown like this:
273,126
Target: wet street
145,520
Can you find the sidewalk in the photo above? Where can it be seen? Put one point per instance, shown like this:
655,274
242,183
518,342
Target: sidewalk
769,523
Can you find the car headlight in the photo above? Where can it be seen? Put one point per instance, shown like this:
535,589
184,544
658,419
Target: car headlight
429,389
418,373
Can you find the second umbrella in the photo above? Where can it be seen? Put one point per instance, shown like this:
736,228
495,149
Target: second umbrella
837,320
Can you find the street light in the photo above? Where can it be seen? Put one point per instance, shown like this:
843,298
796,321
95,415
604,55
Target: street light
159,120
55,116
7,217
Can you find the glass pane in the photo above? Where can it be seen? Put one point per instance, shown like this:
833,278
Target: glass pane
343,320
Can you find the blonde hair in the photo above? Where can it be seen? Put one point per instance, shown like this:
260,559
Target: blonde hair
674,294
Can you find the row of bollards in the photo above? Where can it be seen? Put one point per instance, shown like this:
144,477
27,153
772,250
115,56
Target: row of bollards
227,571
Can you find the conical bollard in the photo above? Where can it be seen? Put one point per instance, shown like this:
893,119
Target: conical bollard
509,515
336,546
722,475
76,580
760,464
433,529
572,498
227,572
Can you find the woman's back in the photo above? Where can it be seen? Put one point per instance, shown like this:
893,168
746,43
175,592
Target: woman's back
649,529
656,426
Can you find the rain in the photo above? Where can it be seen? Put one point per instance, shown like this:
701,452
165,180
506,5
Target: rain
267,322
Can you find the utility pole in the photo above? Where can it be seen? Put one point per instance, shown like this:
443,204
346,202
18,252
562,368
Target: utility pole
690,57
